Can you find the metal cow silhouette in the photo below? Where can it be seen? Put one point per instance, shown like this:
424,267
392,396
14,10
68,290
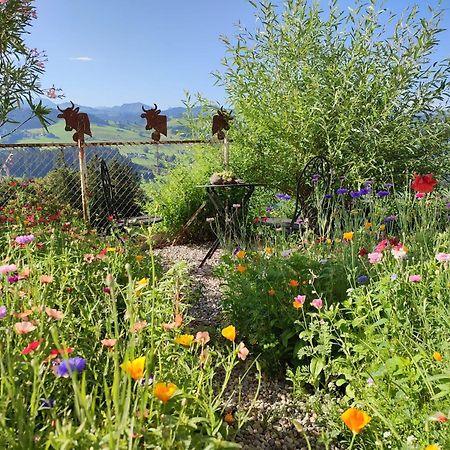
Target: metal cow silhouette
76,121
154,120
221,121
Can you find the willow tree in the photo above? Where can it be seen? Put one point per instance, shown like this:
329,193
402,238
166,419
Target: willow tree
360,86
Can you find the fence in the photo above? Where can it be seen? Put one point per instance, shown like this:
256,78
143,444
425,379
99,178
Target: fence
130,164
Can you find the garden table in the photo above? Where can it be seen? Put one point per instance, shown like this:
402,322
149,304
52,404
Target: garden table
230,202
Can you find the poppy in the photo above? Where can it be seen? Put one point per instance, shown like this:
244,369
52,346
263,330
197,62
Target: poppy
32,347
185,339
164,391
229,333
423,183
355,419
135,368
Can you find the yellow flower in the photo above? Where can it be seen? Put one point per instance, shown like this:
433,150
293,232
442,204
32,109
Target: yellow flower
164,391
185,339
229,333
240,254
328,241
111,249
348,236
139,258
437,356
432,447
382,227
355,419
268,250
337,240
297,305
141,284
240,268
367,225
135,368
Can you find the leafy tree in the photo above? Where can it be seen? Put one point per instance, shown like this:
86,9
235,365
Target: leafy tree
20,67
359,86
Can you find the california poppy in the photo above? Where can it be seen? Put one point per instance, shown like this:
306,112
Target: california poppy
229,333
355,419
164,391
135,368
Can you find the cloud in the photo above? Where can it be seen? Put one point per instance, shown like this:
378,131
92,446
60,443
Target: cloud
82,58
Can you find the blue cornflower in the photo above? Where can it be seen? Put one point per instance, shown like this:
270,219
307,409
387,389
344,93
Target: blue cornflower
383,193
368,182
365,191
67,366
269,208
328,196
342,191
362,279
355,194
281,196
388,185
390,219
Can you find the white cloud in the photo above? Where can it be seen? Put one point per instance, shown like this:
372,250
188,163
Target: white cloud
82,58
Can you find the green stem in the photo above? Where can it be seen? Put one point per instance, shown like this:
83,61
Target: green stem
353,440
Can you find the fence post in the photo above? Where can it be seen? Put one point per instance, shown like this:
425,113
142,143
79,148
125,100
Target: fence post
83,180
226,152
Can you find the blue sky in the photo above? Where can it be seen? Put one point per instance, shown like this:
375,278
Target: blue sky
104,53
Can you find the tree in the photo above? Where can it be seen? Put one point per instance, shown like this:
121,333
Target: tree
20,67
358,86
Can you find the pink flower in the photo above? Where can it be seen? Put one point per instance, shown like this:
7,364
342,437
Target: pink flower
242,351
317,303
2,2
399,252
420,195
375,257
439,417
382,245
443,257
415,278
89,258
24,327
8,268
54,313
202,337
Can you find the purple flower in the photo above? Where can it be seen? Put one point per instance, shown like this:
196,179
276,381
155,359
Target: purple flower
269,208
317,303
23,240
448,205
328,196
388,185
107,290
355,194
67,366
368,182
146,381
394,276
283,196
315,178
47,403
13,279
383,194
390,219
342,191
365,191
3,312
370,381
362,279
342,177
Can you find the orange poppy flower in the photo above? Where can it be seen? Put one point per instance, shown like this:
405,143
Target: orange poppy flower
185,339
241,268
164,391
46,279
293,283
135,368
355,419
437,357
110,343
229,333
54,313
240,254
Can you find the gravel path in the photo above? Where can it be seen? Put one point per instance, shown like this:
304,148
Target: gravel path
269,426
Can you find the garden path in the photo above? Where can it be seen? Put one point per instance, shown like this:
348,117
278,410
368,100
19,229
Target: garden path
269,426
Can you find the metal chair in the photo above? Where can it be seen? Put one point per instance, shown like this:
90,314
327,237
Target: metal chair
317,171
108,194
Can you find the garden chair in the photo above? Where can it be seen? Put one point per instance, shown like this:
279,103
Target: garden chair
108,193
315,174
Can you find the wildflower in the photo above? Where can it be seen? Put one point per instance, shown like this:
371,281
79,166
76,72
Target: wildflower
271,292
443,257
375,257
432,447
89,258
240,254
283,197
286,253
370,381
423,183
383,194
299,301
317,303
32,347
61,351
23,240
399,252
394,276
47,403
328,241
388,185
202,337
210,219
134,368
8,268
68,366
236,205
437,356
164,391
24,327
348,236
367,225
439,417
185,339
315,178
242,351
293,283
355,194
229,333
141,284
54,313
268,251
139,258
175,324
138,326
415,278
328,196
3,312
229,416
355,419
363,252
241,268
109,343
382,227
13,279
389,219
362,279
342,191
419,195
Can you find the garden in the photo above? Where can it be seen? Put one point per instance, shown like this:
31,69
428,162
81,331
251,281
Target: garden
321,322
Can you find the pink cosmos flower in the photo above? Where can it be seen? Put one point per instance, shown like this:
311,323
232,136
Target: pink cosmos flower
2,2
415,278
375,257
8,268
242,351
24,327
443,257
317,303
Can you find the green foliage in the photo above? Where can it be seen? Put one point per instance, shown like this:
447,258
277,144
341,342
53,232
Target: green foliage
358,86
20,67
179,194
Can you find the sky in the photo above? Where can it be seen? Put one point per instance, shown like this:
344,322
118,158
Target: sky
110,52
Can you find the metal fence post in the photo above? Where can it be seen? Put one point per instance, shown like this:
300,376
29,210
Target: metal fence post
83,180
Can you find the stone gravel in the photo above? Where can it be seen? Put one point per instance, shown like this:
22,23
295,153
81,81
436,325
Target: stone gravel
269,426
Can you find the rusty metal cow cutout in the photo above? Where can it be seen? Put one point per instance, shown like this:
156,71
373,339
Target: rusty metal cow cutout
155,121
221,122
76,121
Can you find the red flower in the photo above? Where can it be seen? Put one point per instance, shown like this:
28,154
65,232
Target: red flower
32,347
424,184
62,351
362,252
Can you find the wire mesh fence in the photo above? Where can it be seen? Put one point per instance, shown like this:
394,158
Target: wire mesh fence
130,166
